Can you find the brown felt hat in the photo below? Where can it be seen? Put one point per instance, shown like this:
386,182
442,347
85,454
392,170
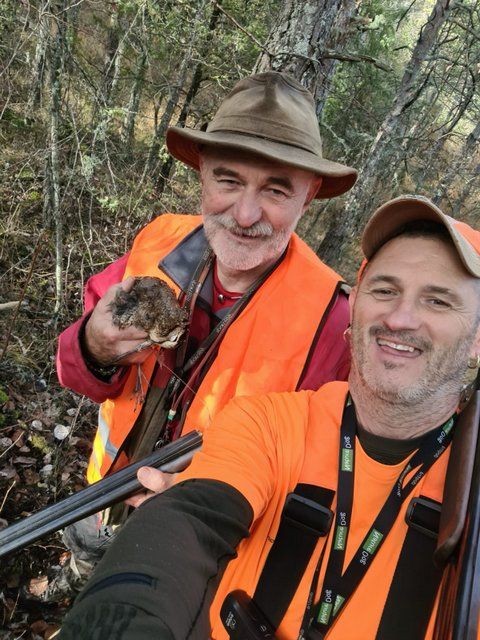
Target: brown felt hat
391,216
272,115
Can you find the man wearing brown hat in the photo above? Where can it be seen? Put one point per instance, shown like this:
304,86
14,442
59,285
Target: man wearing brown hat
316,514
264,313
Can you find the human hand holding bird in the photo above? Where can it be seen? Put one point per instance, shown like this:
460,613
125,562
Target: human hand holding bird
132,316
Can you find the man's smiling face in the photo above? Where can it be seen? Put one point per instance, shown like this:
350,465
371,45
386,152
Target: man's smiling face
414,320
251,206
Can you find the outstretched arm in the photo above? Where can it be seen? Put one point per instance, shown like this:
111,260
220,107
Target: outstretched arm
160,576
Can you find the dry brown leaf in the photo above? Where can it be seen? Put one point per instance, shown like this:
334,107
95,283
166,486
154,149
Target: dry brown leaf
24,460
38,627
43,629
18,437
51,631
13,580
24,449
37,586
30,477
9,604
9,472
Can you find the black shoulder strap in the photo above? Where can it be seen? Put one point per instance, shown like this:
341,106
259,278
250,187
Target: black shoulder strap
416,580
306,517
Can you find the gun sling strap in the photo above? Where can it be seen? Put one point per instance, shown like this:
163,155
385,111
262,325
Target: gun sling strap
307,517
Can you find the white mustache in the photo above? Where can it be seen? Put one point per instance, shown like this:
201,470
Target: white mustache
256,230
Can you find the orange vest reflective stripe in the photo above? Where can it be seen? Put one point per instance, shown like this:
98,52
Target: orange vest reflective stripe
313,459
263,350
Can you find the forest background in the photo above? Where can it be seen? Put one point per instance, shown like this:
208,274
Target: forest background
87,90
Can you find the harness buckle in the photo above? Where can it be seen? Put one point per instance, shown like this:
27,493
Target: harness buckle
423,515
307,514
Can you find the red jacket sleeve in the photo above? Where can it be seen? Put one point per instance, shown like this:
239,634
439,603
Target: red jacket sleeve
71,368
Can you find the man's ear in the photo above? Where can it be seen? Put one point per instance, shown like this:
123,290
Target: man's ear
201,166
475,350
351,301
312,191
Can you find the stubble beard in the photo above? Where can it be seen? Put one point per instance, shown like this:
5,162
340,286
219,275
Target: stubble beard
270,243
442,376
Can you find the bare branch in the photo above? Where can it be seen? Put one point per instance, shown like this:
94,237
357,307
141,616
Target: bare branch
344,56
404,14
7,306
465,28
239,26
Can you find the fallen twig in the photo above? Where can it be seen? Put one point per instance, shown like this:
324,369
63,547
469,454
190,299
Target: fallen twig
9,447
6,495
6,306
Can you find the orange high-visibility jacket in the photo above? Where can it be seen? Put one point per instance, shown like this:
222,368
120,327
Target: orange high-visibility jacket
264,446
264,349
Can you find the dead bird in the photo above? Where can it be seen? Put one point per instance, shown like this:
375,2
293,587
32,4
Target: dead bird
150,305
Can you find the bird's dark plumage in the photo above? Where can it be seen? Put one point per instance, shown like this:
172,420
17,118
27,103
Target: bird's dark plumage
152,306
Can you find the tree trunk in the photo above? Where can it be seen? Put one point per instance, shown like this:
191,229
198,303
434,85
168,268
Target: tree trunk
166,167
470,183
133,103
458,166
175,91
466,98
192,92
39,61
304,33
113,55
371,185
115,47
56,56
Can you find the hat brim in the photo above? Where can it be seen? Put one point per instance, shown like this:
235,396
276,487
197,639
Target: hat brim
183,144
393,215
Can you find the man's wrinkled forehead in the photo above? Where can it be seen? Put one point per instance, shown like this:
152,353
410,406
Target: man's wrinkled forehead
229,162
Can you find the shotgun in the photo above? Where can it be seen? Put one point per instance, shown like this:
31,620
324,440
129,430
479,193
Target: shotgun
171,458
458,547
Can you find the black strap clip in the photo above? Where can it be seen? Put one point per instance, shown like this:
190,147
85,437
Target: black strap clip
423,515
307,514
243,620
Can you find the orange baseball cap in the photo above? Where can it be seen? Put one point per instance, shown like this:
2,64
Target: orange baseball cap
393,215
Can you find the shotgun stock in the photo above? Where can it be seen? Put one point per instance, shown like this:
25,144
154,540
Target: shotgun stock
467,602
458,548
119,485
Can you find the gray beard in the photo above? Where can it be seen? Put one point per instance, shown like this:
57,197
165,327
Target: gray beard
410,411
244,259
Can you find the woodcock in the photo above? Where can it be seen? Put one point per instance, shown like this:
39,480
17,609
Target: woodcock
150,305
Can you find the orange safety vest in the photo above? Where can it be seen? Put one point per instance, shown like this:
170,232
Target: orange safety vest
264,349
306,427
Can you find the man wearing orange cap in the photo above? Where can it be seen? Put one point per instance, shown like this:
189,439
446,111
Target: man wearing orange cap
247,280
358,470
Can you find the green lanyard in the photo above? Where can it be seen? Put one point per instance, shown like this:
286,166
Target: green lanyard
337,588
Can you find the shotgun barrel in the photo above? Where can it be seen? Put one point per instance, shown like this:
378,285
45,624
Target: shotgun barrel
119,485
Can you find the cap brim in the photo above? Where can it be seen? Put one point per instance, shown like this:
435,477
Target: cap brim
183,144
393,215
